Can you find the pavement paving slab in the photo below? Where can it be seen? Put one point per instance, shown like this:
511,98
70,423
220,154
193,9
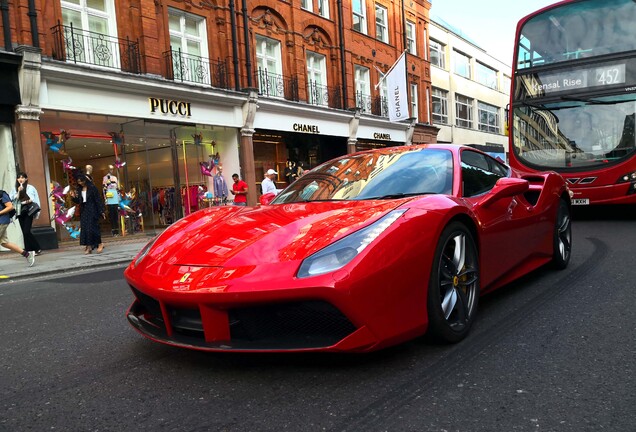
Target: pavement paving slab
70,257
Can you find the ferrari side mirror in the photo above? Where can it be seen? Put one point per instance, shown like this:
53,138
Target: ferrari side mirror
505,187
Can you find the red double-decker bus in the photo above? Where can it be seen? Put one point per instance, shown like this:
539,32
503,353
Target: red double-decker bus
573,97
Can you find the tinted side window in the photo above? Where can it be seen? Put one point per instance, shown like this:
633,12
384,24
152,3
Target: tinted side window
498,168
477,175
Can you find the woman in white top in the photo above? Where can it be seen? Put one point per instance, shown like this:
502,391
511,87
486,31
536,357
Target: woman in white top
23,196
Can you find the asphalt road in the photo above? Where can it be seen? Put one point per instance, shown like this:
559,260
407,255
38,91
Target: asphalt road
555,351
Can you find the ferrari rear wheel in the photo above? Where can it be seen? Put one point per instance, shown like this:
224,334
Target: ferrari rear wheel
453,291
562,237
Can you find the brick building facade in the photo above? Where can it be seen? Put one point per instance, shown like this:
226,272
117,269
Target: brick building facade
264,82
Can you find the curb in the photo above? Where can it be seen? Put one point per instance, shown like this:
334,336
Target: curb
63,270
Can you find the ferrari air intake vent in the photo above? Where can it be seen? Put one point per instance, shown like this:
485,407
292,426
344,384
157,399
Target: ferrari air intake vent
534,180
533,193
146,312
308,324
186,322
149,304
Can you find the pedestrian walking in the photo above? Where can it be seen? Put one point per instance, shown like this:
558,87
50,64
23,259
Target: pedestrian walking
27,203
91,209
268,185
5,220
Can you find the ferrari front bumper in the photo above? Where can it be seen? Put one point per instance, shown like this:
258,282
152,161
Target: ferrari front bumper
303,325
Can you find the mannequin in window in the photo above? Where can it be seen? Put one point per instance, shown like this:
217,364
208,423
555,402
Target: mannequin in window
112,198
220,187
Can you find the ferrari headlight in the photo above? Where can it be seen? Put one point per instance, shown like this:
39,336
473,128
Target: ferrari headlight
144,251
340,253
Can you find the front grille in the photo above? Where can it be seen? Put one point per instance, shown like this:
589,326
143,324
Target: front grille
293,325
307,324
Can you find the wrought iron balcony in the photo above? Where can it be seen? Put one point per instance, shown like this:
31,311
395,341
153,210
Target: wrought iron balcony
322,95
364,102
76,45
194,69
380,106
277,86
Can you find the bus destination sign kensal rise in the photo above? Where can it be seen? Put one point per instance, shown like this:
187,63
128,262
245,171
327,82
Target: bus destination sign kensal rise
574,79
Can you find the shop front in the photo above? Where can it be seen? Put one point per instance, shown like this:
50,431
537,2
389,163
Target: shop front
287,140
373,135
289,153
155,157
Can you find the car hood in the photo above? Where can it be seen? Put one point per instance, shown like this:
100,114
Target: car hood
244,236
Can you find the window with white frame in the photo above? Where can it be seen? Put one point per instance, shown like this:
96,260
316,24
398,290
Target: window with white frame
486,75
269,67
438,57
363,88
506,84
381,23
307,5
317,79
488,117
414,105
188,43
97,16
463,111
359,9
440,106
323,8
461,64
410,38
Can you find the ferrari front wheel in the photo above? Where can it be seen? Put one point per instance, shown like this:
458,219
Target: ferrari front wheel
453,290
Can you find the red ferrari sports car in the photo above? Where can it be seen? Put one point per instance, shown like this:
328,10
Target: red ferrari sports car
362,252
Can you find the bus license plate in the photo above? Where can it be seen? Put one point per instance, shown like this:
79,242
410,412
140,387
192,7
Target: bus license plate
580,201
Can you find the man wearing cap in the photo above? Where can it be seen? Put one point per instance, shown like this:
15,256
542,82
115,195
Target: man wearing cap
268,185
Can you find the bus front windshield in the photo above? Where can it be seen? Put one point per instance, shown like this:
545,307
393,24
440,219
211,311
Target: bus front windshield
576,30
573,133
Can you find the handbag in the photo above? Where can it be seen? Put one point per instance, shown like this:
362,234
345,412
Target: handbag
30,209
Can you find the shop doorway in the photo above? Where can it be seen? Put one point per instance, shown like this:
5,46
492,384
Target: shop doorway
275,149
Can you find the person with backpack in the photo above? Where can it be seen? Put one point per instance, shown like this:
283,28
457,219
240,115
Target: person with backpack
6,213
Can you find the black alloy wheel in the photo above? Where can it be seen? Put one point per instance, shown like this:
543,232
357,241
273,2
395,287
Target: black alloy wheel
562,237
453,291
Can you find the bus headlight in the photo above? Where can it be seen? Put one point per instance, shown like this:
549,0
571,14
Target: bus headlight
629,177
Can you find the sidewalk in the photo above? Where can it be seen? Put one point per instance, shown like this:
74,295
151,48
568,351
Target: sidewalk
70,257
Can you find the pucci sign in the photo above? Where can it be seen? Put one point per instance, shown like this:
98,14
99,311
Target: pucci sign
167,106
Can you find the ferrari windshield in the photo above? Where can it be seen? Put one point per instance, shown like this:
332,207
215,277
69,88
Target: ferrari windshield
575,132
393,173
